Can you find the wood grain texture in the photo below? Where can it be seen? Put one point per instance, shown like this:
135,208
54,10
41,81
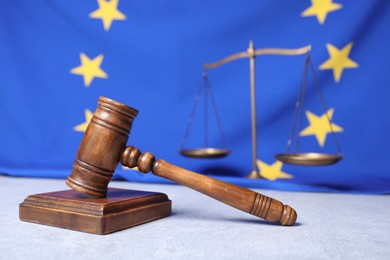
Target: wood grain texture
238,197
73,210
103,147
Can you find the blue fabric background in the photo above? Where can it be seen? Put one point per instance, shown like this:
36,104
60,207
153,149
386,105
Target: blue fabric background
154,63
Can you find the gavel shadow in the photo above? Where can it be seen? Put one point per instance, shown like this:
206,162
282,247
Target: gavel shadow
190,215
221,171
259,221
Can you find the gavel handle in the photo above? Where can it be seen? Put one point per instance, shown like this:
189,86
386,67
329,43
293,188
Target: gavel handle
240,198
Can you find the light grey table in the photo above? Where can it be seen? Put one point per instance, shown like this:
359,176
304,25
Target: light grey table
330,226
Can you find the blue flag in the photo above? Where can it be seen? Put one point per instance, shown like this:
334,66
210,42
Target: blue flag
58,57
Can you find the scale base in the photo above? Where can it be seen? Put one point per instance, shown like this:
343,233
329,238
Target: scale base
69,209
255,174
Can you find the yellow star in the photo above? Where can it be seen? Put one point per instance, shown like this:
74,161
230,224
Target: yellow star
83,126
89,69
338,60
107,11
272,172
321,8
320,126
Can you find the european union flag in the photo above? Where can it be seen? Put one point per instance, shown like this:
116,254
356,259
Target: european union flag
58,57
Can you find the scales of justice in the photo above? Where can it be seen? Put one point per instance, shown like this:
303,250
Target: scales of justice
295,157
91,206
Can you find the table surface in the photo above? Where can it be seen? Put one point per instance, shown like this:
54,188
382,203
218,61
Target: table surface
336,226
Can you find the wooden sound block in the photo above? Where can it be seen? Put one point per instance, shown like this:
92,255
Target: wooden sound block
72,210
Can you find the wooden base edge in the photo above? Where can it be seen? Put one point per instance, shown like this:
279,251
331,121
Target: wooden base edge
71,210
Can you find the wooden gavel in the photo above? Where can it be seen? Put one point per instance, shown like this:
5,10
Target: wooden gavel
104,146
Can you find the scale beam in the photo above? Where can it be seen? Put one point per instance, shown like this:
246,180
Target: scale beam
258,52
285,52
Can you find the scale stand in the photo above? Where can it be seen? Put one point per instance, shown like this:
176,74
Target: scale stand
251,53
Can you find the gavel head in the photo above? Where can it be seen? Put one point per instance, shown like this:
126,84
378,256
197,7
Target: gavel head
101,147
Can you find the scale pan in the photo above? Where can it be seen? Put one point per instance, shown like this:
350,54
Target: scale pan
205,152
309,159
